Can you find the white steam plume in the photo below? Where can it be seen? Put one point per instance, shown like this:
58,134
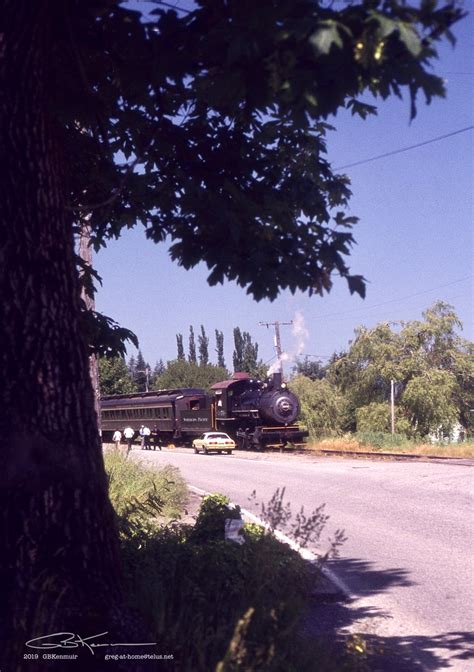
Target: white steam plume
300,336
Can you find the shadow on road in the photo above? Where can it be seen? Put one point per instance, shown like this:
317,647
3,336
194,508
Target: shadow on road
345,625
420,653
366,579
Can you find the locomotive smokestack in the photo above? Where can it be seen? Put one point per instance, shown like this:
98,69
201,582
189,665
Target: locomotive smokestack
275,380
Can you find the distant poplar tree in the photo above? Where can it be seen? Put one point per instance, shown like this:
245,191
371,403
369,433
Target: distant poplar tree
238,356
220,348
250,354
203,344
192,347
179,341
245,352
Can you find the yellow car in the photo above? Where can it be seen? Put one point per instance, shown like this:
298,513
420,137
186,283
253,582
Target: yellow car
214,442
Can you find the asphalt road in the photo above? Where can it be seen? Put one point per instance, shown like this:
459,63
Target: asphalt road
408,558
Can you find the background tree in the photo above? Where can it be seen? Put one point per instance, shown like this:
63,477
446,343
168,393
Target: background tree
179,373
430,403
142,373
245,357
192,359
238,356
309,368
250,354
374,417
212,113
430,364
220,349
157,372
132,365
203,346
179,342
114,376
321,406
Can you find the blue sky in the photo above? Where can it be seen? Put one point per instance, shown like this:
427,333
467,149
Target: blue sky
414,239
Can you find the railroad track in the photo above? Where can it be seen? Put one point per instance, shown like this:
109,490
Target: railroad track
403,456
371,454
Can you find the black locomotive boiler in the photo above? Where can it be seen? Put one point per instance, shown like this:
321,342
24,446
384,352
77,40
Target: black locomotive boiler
256,414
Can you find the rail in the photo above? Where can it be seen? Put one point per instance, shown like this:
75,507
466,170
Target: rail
367,453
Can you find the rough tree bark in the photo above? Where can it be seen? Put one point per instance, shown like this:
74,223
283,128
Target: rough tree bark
59,566
85,252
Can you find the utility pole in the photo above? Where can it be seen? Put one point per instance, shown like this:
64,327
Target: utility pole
277,338
392,404
147,372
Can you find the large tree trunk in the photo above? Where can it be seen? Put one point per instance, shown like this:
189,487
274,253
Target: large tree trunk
85,252
58,548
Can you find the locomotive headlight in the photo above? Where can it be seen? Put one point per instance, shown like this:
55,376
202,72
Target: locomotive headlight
283,386
284,406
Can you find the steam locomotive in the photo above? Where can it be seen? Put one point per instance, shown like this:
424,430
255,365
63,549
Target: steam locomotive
256,414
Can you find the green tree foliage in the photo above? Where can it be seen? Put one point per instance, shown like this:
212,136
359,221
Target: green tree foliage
245,357
192,359
157,372
374,417
220,348
309,368
239,98
114,376
321,406
432,367
180,374
238,356
141,373
203,347
430,402
180,345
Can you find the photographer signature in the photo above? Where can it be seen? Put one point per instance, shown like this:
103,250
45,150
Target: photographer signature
71,640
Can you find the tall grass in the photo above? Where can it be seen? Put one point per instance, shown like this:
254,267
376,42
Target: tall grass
132,484
381,442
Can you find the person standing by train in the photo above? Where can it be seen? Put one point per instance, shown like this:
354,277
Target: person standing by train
156,437
145,437
117,438
129,433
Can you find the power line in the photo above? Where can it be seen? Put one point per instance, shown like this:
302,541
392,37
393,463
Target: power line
402,298
405,149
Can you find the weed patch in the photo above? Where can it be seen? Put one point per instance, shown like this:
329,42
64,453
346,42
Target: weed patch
383,442
134,488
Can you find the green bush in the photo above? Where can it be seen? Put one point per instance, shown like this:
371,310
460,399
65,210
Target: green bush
213,512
